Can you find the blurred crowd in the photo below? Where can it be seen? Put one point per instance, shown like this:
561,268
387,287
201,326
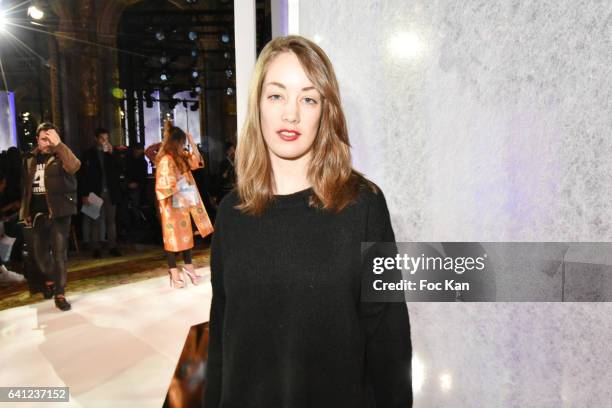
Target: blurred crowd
122,175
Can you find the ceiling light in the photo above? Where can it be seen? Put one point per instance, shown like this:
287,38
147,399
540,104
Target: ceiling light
35,13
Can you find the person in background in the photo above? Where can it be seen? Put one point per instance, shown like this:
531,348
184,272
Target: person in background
101,177
12,170
179,201
136,174
9,213
48,200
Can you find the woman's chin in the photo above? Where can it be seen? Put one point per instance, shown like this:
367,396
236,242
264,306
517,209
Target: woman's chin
289,154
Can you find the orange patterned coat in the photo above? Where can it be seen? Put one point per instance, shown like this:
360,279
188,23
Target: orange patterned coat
176,222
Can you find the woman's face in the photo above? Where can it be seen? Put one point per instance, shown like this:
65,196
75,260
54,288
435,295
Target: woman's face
290,109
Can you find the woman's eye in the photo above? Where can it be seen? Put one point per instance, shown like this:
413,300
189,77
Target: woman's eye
310,101
274,97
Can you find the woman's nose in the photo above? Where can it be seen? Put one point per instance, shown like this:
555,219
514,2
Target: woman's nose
291,113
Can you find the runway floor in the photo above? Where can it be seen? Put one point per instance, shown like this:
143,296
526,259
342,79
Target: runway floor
117,347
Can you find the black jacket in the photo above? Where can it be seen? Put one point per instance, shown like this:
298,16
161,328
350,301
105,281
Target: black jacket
60,182
91,175
136,170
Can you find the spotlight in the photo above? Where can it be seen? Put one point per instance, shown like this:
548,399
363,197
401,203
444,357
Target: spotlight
194,74
229,91
227,55
35,13
225,38
195,106
117,93
198,89
163,60
163,77
160,36
194,53
229,73
192,35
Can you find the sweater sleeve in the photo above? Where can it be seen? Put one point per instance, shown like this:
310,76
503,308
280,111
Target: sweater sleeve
387,328
212,392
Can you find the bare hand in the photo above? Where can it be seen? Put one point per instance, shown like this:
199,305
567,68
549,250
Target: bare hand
190,138
108,148
53,137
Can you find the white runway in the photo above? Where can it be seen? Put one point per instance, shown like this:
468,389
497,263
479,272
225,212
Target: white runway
117,347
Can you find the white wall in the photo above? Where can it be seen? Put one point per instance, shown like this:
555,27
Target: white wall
495,123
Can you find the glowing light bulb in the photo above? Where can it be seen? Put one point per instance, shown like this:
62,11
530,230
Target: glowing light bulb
35,13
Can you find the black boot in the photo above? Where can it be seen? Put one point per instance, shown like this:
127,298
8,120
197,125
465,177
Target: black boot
62,304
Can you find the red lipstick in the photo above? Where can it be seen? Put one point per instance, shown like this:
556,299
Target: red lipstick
288,135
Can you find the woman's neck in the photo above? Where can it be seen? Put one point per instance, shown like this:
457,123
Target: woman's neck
290,175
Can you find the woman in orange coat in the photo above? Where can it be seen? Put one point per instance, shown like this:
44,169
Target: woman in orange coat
179,201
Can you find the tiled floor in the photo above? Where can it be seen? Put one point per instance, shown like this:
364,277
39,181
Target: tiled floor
117,347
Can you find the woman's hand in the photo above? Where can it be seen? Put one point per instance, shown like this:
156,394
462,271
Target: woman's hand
190,139
194,147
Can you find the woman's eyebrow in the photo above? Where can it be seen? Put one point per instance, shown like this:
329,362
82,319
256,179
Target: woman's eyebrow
276,84
307,88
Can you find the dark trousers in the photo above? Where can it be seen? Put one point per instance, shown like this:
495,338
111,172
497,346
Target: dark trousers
50,249
107,216
171,257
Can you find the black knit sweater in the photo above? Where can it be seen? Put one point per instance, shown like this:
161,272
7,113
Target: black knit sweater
287,328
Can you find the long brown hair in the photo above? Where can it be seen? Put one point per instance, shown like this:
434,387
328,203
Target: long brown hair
174,140
335,183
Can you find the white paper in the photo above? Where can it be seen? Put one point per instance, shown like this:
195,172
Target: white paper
92,209
187,191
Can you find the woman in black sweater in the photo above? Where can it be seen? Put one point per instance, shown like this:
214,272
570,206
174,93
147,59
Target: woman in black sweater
287,325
